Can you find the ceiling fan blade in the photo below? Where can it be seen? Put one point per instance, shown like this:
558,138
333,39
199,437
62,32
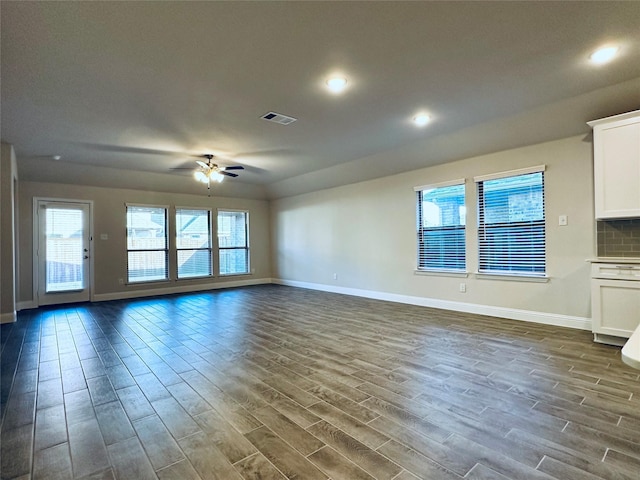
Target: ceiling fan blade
128,150
234,167
228,174
202,164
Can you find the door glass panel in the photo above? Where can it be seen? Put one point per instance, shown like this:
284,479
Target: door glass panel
64,250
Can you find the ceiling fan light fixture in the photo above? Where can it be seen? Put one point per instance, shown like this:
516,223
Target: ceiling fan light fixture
216,176
604,55
200,176
421,119
337,84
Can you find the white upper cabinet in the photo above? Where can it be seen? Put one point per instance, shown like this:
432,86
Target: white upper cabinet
616,155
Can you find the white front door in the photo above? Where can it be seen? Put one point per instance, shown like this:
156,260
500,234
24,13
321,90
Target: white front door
64,251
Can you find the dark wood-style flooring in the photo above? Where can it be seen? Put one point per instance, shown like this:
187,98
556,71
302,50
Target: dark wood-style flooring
274,382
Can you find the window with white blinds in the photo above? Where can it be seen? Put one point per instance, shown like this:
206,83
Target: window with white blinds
193,242
511,223
233,242
147,245
441,216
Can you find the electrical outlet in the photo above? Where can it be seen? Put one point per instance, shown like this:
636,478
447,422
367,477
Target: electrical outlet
563,220
121,281
463,288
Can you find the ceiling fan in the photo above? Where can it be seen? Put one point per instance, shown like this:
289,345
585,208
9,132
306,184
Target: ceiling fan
209,171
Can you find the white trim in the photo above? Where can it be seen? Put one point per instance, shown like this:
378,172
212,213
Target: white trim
9,317
450,183
613,118
442,273
35,241
510,173
104,297
512,277
545,318
222,209
147,205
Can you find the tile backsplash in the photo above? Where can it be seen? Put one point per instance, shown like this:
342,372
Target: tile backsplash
618,238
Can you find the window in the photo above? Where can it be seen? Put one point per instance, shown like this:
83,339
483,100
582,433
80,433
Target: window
193,242
233,242
441,227
147,246
511,223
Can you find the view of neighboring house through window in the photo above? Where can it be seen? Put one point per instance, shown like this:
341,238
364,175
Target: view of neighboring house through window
193,242
441,227
233,242
147,245
511,223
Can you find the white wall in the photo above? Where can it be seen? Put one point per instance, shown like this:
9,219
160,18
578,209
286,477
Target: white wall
110,256
366,234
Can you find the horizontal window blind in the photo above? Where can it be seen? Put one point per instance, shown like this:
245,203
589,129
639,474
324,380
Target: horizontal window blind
193,242
233,242
441,218
147,245
511,225
64,249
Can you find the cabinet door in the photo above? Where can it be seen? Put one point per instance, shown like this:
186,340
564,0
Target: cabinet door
616,307
617,169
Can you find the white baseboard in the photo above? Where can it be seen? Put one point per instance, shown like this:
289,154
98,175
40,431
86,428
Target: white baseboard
555,319
29,304
8,317
104,297
546,318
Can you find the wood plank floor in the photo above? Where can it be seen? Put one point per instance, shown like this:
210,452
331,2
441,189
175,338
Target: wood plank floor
274,382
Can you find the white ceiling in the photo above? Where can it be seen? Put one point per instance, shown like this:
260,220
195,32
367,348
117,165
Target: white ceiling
114,86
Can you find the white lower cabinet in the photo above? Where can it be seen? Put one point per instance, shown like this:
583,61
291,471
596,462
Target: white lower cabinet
615,302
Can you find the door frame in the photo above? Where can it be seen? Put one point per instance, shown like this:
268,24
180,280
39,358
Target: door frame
35,284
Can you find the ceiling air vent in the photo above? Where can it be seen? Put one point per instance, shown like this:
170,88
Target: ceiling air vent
278,118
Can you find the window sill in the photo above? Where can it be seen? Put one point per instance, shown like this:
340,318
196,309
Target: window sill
202,277
148,282
244,274
441,273
513,277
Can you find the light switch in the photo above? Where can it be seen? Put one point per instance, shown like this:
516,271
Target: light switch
563,220
104,236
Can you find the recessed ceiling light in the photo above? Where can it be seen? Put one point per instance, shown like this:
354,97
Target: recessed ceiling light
57,157
421,119
337,84
603,55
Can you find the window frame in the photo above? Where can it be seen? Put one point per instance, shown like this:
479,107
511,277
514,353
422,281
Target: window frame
246,246
510,269
421,238
166,248
210,248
